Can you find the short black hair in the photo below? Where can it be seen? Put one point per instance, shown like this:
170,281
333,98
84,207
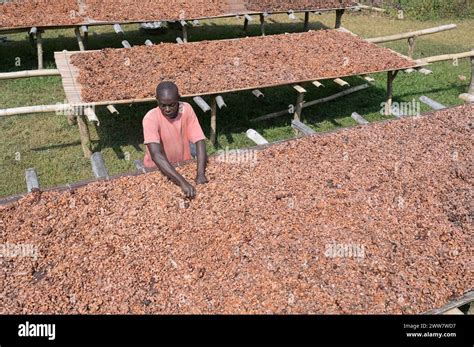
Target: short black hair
166,86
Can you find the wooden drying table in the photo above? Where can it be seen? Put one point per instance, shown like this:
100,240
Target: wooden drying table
72,87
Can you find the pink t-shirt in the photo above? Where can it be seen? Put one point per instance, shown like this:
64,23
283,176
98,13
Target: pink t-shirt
174,135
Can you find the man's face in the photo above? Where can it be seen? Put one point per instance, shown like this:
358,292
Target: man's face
169,104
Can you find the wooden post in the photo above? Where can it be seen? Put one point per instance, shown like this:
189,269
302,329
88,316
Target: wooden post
185,31
71,117
246,24
31,35
471,87
39,48
388,105
85,32
299,103
299,106
306,21
262,24
411,46
85,136
213,135
339,14
79,38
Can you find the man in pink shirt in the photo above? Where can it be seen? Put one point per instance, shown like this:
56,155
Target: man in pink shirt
170,130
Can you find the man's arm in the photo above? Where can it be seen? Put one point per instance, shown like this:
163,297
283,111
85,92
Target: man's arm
201,154
159,158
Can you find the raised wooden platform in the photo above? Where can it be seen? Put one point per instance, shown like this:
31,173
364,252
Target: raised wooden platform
234,8
70,73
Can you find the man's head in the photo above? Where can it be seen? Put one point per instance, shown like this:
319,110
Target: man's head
167,95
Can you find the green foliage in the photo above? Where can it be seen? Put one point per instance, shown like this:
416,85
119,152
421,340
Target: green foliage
435,9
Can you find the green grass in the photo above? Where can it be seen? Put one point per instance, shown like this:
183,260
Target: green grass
48,143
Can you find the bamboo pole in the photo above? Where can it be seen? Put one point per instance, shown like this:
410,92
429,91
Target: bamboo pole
314,102
372,8
29,73
337,95
213,135
79,38
444,57
33,109
412,34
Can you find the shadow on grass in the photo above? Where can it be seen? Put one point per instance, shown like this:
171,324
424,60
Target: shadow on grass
50,147
125,129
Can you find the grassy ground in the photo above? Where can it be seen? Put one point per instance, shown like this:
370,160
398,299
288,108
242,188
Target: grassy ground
48,143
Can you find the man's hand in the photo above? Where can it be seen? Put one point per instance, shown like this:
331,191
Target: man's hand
159,157
201,179
188,190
